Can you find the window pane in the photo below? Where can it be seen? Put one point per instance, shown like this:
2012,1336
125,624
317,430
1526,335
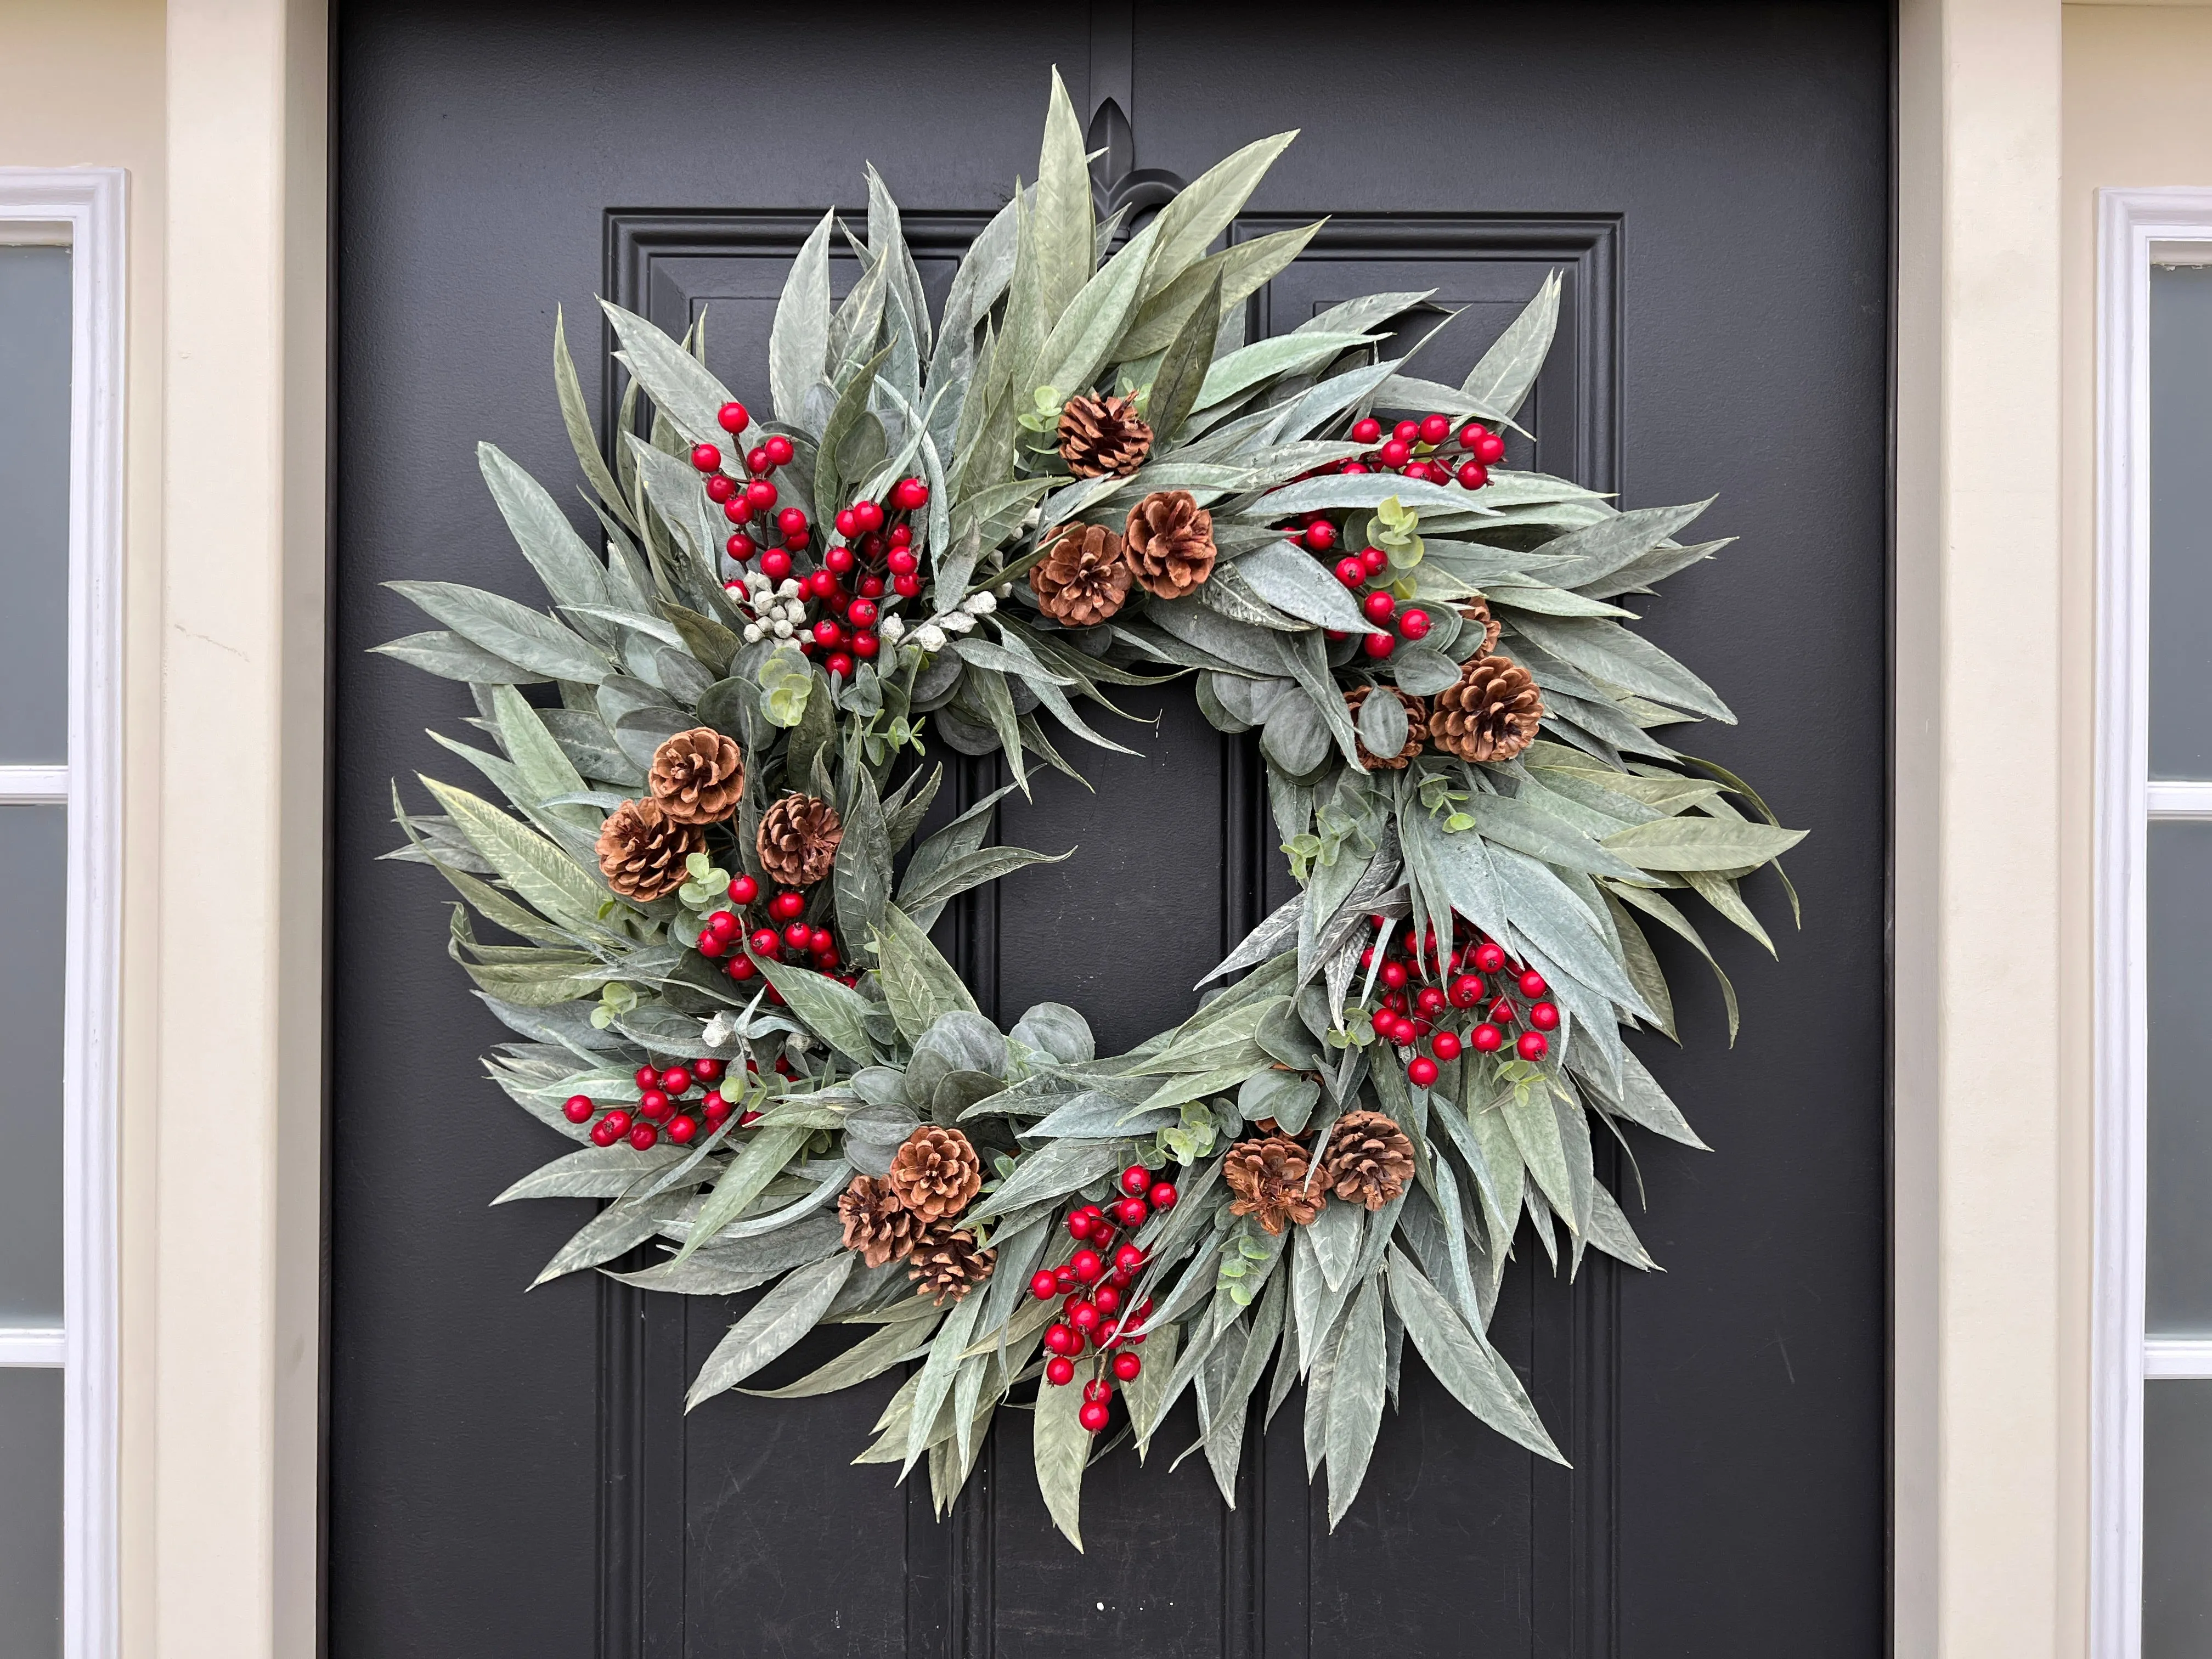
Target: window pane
34,461
2180,521
31,1513
2177,1519
34,871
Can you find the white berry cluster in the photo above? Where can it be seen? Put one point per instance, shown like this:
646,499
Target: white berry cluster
778,611
932,634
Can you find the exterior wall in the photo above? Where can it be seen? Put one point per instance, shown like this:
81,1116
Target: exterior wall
2138,111
82,84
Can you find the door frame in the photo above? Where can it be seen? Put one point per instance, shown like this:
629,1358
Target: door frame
1982,1415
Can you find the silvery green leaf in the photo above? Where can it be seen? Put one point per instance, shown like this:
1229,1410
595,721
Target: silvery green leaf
730,1268
1052,1171
1642,575
592,1172
1286,354
830,473
1355,1399
1236,599
1596,551
893,1344
1336,1233
1610,652
1296,737
1360,492
572,573
1363,313
514,633
1061,1446
1282,1032
1517,824
1085,332
1548,602
1064,232
1241,269
984,271
1094,1117
1541,908
1406,391
641,732
1316,408
1641,1100
771,1147
539,872
451,657
1382,724
681,388
1536,1134
965,1039
1292,580
1249,701
1203,209
799,341
1610,1231
1270,938
964,871
874,1131
833,1012
1502,380
918,984
1470,1369
1700,843
623,1225
1321,1374
1304,658
937,1374
1057,1030
774,1323
861,874
1184,362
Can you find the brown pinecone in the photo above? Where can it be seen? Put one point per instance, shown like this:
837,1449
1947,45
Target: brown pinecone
1368,1160
1491,715
947,1263
1170,544
1083,578
1417,729
1475,613
642,849
798,839
1098,435
1269,1179
698,776
876,1224
935,1172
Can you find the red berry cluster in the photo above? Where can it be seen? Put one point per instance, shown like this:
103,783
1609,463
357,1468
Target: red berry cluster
1092,1284
661,1107
848,580
777,930
1412,1012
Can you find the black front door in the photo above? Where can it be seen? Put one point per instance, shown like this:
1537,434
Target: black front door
513,1474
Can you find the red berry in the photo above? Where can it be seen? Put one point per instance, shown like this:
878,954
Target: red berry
1098,1388
1082,1314
839,559
1472,475
1402,1032
1351,572
1422,1072
765,941
706,457
1466,991
741,968
791,520
618,1120
745,889
1059,1370
1415,624
757,459
1502,1013
1378,606
1488,958
1435,429
739,547
1393,975
1470,432
775,564
1087,1266
1106,1298
1374,558
1490,449
1136,1178
677,1080
1062,1338
798,936
1397,452
707,1070
655,1104
1366,431
1431,1001
819,940
1545,1017
732,417
1128,1258
907,586
787,905
827,632
1320,537
780,451
861,613
909,493
1162,1196
602,1133
1407,432
1080,1225
1486,1039
1064,1277
761,493
1445,1045
578,1108
1532,984
1378,645
901,562
714,1106
648,1076
1042,1284
681,1129
1093,1415
720,487
1531,1045
865,644
1132,1211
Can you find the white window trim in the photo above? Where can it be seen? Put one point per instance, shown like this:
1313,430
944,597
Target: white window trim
2134,230
83,208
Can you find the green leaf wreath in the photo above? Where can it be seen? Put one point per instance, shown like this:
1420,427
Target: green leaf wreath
1079,479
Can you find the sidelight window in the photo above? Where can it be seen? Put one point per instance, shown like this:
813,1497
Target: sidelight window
60,553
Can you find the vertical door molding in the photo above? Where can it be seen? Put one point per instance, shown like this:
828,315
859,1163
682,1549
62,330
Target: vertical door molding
83,207
2130,226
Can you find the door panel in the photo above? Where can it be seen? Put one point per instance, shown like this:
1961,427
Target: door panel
515,1474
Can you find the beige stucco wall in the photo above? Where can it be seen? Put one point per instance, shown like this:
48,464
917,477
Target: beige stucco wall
2138,111
82,84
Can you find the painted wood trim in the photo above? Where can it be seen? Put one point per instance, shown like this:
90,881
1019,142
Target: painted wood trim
2130,225
89,204
33,1347
2183,1357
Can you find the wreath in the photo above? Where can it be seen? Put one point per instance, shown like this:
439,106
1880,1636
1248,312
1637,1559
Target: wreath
1079,479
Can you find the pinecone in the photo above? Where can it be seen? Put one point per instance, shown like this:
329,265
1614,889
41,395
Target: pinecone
1491,715
698,776
1269,1179
947,1263
798,839
1098,435
1417,729
935,1172
876,1224
1169,546
1083,578
642,849
1475,613
1368,1160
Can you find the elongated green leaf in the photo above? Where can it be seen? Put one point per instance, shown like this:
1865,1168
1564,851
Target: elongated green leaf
682,390
1609,651
919,984
542,875
861,876
799,340
592,1172
938,1372
1203,209
1293,581
1286,354
893,1344
1241,269
451,657
1503,379
1065,229
512,632
835,1012
1701,843
619,1227
776,1322
1052,1171
1460,1359
578,421
572,573
1061,1446
771,1147
1355,1399
970,870
1083,339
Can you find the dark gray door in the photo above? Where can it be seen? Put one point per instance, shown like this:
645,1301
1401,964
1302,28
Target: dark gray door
513,1474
